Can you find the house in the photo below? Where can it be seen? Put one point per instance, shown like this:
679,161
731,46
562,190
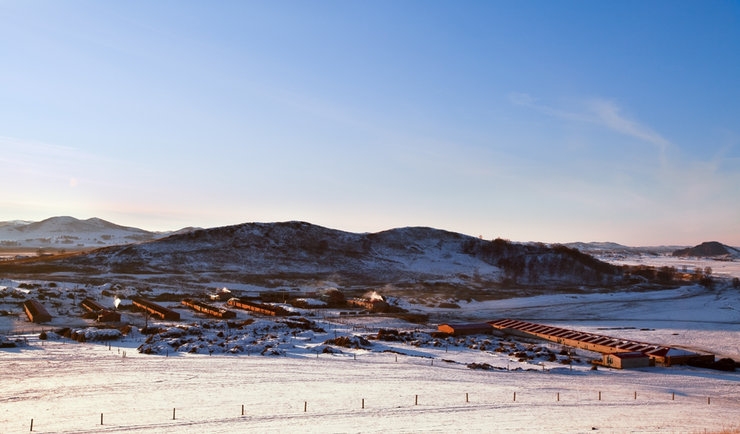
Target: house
465,329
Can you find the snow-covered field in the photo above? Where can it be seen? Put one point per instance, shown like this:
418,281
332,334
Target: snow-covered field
70,387
64,386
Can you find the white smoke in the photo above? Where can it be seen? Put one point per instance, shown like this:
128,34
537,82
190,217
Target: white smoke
374,296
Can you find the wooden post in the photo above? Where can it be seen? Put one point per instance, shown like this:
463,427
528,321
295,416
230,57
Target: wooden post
673,397
416,399
466,397
173,414
514,396
101,418
709,400
242,409
599,395
305,406
558,396
635,394
363,402
31,424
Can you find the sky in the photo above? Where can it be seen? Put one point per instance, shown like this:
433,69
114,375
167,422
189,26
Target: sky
531,121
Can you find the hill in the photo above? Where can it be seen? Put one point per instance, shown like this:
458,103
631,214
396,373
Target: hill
709,249
292,253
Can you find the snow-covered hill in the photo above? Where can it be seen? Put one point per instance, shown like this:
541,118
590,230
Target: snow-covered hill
290,251
70,233
710,249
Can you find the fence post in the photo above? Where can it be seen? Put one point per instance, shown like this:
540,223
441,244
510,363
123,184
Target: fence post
635,394
599,395
514,396
101,418
31,424
709,400
416,399
363,402
173,414
305,406
466,397
673,397
242,409
558,396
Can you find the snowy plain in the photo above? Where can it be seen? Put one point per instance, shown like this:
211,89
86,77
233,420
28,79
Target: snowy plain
60,385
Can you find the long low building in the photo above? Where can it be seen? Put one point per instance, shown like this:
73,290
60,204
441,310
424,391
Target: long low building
36,312
606,345
264,309
208,309
155,309
102,313
465,329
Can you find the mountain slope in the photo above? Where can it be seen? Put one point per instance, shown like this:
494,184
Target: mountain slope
281,253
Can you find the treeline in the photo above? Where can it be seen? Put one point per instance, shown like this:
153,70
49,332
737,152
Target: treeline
668,274
537,263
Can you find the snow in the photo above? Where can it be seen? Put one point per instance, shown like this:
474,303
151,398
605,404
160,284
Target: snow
287,379
67,387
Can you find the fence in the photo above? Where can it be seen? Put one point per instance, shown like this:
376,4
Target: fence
226,412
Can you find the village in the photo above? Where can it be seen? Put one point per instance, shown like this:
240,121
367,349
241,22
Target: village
608,351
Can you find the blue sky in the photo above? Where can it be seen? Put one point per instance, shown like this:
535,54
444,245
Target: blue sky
533,121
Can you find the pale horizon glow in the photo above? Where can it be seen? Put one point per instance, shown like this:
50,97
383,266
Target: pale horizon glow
530,121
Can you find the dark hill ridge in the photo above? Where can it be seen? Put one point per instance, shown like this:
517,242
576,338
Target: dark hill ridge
281,253
712,249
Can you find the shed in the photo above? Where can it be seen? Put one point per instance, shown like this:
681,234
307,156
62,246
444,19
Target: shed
626,360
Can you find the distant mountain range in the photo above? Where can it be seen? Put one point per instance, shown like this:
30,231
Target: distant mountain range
709,249
71,233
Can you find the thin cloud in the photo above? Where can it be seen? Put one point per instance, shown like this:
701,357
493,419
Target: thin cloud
601,112
609,115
